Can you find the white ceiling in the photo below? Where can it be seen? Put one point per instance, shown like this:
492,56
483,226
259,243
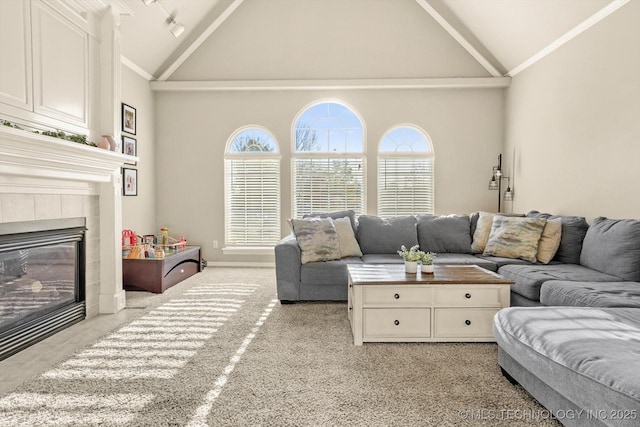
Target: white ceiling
505,33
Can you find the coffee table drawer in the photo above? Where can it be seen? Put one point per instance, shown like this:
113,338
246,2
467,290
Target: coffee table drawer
467,297
464,322
399,296
397,323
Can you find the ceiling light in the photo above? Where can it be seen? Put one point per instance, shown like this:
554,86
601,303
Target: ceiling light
176,27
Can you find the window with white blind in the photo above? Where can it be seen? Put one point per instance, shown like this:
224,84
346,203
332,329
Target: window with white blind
405,172
328,164
252,189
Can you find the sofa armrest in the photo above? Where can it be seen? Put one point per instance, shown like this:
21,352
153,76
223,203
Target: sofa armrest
288,263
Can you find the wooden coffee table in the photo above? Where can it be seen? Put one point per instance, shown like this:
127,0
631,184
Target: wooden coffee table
455,303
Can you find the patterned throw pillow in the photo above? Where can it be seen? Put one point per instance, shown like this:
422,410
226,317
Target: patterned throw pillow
482,231
514,237
317,238
347,240
549,241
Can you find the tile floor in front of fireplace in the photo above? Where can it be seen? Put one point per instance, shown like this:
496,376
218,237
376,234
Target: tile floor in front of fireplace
41,356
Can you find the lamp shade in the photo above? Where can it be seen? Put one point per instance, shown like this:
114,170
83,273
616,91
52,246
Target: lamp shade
508,195
493,184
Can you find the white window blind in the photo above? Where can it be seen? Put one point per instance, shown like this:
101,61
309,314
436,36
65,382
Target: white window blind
405,172
252,202
328,160
405,186
328,184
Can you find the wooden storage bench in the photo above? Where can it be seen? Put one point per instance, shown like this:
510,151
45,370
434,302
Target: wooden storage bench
158,274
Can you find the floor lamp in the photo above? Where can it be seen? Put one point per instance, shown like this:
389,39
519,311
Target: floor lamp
496,183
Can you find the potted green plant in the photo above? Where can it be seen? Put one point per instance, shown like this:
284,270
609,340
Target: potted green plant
427,261
411,257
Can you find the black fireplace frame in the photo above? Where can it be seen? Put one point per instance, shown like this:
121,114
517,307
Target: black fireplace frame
31,234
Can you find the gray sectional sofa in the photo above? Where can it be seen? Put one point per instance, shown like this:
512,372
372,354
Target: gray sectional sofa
572,335
603,253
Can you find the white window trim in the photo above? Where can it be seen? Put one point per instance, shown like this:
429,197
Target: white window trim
254,155
426,155
329,155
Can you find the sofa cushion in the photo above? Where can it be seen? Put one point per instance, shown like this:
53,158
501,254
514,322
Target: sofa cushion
515,237
529,278
500,261
385,235
317,239
335,215
328,272
442,234
549,241
481,232
588,355
382,259
574,229
464,259
346,238
613,247
590,294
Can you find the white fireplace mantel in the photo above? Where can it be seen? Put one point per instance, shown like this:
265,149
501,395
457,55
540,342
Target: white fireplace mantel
25,153
33,163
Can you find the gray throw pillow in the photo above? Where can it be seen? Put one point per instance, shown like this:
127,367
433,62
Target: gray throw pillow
444,234
574,228
335,215
612,246
385,235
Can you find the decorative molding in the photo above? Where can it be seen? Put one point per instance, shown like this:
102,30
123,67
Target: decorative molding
575,31
26,154
136,68
459,38
201,39
347,84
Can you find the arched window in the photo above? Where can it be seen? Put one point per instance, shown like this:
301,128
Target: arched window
252,189
328,160
405,172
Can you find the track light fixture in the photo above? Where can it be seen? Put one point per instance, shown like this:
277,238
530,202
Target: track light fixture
176,27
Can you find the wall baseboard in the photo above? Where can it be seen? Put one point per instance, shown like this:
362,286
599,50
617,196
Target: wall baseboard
240,264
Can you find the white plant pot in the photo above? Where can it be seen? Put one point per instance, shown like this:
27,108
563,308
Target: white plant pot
427,268
411,266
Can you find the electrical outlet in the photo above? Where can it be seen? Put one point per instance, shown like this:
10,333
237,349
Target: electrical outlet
215,244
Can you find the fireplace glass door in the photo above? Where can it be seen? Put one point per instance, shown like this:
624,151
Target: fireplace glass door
42,289
35,281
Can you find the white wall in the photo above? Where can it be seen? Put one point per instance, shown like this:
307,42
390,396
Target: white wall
193,128
328,39
573,124
139,212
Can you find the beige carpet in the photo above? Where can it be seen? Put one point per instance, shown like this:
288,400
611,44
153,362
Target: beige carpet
218,349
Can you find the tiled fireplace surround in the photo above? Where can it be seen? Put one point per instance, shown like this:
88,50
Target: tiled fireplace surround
45,178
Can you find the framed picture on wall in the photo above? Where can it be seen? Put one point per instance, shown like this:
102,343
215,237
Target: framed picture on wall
129,182
128,119
129,147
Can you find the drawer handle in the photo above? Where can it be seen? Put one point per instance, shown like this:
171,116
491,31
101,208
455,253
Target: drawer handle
182,270
396,296
467,296
467,322
396,322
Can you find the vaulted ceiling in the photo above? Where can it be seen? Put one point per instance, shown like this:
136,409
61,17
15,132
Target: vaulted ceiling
503,36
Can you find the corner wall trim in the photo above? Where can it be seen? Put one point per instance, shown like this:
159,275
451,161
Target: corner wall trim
135,68
575,31
459,38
